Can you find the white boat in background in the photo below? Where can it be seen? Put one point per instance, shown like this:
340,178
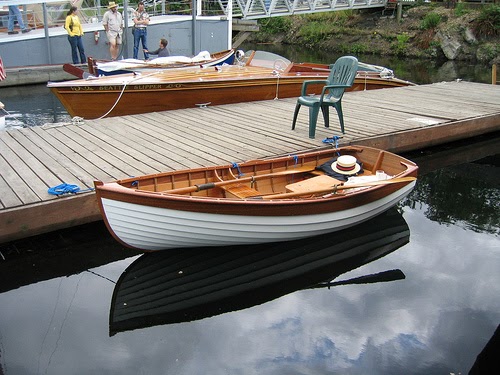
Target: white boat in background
203,59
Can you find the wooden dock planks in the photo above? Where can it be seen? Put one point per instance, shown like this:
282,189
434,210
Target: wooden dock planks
34,159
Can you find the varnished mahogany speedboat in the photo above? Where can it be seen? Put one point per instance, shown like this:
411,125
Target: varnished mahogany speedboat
261,76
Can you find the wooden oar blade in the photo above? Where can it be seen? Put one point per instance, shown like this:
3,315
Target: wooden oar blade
73,70
381,277
377,183
76,71
334,188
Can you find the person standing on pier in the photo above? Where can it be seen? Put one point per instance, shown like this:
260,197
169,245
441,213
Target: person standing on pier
75,32
141,22
113,24
15,13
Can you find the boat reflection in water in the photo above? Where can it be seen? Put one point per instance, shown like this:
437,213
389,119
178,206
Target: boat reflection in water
195,283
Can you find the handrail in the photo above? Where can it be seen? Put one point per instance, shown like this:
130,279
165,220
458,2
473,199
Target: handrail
246,9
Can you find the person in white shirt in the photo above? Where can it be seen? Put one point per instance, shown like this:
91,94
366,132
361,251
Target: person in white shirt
113,24
141,22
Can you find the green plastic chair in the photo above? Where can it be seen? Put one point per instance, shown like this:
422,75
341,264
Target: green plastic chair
341,77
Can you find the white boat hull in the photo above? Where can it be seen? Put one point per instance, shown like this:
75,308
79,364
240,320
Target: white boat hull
153,228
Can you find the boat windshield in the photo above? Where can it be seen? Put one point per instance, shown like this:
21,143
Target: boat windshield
383,71
267,59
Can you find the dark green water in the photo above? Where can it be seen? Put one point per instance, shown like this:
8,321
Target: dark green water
417,71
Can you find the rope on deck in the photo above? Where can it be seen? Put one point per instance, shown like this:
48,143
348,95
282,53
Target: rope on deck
65,188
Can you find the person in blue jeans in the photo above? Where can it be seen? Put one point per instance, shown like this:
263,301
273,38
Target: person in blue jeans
15,13
141,22
75,32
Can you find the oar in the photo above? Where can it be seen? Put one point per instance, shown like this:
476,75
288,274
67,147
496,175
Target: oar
211,185
380,277
76,71
334,188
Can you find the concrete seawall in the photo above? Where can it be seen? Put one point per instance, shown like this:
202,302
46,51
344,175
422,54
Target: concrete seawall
30,75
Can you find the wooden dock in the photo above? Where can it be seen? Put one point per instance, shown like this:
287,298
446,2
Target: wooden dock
34,159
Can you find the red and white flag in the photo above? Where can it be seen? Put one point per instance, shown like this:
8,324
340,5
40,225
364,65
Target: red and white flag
3,75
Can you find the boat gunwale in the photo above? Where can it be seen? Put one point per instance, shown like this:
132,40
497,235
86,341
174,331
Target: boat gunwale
316,154
198,74
116,191
67,87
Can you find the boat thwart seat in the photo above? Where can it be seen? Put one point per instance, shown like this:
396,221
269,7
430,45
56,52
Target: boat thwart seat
240,190
313,184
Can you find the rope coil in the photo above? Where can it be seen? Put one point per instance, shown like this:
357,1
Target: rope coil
65,188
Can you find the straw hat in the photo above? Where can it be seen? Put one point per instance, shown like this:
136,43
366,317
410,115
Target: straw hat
112,4
346,164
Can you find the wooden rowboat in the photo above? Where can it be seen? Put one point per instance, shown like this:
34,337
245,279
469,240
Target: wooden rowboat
191,284
257,78
258,201
203,59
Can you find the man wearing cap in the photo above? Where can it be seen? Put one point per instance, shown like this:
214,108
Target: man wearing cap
113,24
